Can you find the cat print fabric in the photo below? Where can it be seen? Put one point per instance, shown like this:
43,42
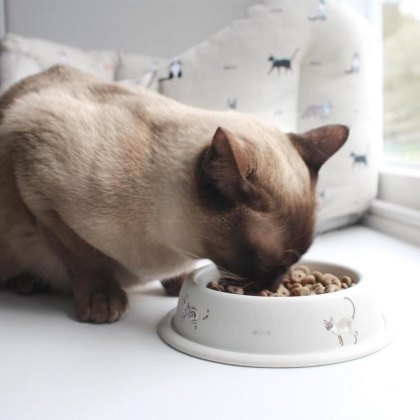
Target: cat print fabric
298,65
279,63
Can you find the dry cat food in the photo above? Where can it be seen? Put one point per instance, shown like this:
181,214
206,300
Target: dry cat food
299,281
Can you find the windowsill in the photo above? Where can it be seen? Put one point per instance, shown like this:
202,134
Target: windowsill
395,220
400,170
400,185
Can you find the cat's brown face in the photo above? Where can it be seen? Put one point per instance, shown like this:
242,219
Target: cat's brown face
258,198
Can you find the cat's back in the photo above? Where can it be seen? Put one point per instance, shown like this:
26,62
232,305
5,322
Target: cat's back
65,102
61,87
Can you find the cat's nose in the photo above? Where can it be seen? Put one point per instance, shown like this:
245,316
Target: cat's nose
280,274
273,280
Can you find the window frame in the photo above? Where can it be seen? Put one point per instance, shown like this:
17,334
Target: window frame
396,210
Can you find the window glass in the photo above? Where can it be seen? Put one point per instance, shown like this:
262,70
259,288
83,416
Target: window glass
401,32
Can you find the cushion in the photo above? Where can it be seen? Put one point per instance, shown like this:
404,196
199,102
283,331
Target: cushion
297,65
139,69
340,83
252,66
22,56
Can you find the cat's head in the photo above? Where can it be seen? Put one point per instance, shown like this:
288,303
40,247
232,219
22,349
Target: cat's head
257,196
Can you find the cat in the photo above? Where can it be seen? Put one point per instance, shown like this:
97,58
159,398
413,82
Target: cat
321,111
322,15
355,64
278,63
232,103
103,186
175,71
362,159
345,325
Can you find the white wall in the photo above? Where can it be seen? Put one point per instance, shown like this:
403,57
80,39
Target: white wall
160,27
2,19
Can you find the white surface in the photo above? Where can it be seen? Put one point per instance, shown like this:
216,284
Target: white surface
52,367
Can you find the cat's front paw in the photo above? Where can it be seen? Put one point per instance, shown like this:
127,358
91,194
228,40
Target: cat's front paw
101,307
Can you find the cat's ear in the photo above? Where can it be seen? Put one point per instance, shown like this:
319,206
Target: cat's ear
226,165
318,145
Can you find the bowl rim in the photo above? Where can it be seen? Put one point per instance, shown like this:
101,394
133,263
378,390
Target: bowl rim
194,278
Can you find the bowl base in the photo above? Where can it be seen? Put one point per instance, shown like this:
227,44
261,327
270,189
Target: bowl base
175,340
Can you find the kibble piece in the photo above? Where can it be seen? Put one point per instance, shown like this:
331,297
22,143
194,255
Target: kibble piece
235,289
331,288
295,291
284,291
344,286
347,280
319,289
296,286
308,279
304,291
303,268
288,284
335,280
327,279
298,275
318,275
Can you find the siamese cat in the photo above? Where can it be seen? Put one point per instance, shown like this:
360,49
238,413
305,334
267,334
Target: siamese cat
103,186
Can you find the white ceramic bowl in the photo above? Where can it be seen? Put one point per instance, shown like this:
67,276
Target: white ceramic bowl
276,331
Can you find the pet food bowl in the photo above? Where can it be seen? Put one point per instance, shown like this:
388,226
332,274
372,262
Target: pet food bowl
276,331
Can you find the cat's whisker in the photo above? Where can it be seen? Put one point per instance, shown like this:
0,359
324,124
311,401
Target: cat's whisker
225,273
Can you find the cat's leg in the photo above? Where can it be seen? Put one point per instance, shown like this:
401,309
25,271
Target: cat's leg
173,285
98,295
340,340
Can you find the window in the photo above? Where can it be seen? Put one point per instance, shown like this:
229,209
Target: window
397,209
401,41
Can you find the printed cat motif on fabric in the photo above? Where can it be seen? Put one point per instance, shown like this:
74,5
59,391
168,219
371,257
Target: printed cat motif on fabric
175,71
232,103
279,63
359,159
321,111
355,64
322,15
